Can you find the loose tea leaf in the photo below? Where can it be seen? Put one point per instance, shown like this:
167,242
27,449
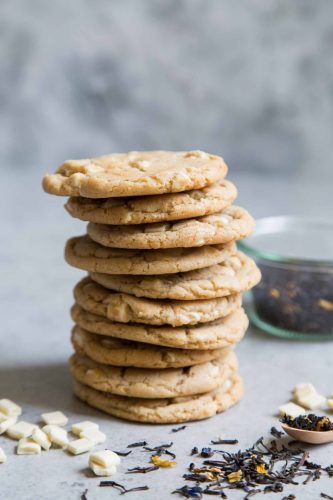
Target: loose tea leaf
84,495
225,441
142,470
136,445
123,453
206,452
276,433
177,429
188,492
121,487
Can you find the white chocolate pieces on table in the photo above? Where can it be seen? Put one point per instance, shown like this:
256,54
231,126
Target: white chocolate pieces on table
79,446
291,410
3,457
27,446
307,396
86,425
55,418
104,463
57,435
9,409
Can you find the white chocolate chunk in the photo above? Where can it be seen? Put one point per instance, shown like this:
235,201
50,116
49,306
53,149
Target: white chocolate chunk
21,430
57,435
81,445
55,418
5,424
3,417
83,426
96,436
41,438
27,446
104,459
312,401
304,389
291,410
330,403
10,408
101,471
3,457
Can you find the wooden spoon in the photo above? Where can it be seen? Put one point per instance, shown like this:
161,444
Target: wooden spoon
313,437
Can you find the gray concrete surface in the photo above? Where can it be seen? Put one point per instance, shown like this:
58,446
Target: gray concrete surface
252,80
35,297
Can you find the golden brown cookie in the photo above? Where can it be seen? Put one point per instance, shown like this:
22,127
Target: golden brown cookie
237,274
234,223
223,332
86,254
125,308
158,208
116,352
135,174
152,383
165,411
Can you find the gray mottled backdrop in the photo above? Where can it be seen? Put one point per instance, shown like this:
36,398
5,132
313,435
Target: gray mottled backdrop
252,80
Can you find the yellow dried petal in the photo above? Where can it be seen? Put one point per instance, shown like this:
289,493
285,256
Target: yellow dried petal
327,305
261,468
157,460
233,477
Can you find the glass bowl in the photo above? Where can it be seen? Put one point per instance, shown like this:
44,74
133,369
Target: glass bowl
295,296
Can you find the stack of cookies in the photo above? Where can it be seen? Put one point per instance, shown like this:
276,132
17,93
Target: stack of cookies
159,313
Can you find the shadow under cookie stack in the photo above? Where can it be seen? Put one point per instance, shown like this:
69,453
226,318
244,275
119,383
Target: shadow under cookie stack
159,314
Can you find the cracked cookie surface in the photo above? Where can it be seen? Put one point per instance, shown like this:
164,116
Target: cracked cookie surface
116,352
233,223
237,274
135,173
152,383
165,411
158,208
125,308
86,254
224,332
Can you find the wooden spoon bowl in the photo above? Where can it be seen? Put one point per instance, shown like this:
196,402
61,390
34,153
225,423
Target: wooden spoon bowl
312,437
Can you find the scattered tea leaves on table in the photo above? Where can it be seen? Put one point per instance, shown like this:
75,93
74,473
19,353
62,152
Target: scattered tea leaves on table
266,467
194,451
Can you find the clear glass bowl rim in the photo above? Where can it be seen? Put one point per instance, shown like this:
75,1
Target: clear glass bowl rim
276,223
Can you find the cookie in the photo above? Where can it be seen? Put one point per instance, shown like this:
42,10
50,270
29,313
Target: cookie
136,173
85,254
158,208
150,383
111,351
125,308
223,332
234,223
165,411
236,274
